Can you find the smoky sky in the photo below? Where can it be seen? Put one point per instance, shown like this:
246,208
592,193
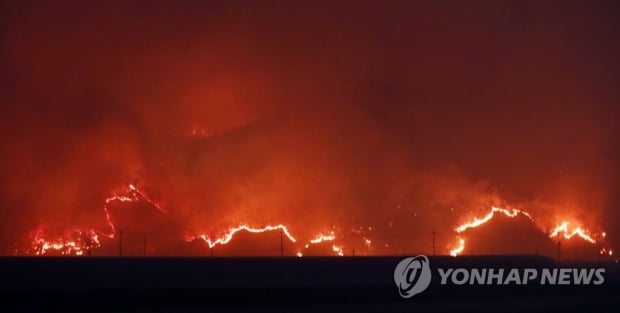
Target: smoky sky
404,116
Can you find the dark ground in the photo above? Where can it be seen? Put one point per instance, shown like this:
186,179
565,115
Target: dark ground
329,284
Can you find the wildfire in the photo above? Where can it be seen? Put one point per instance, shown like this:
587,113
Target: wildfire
106,211
228,236
146,198
81,241
131,194
78,243
456,251
322,238
561,228
479,221
338,250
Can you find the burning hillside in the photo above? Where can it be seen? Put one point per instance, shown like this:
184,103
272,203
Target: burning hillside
218,129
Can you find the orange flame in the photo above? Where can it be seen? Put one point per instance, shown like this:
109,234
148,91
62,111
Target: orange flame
80,243
134,194
456,251
563,227
146,198
321,238
479,221
228,236
77,242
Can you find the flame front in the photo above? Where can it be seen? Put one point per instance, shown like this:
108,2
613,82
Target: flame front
562,227
228,236
323,238
81,242
131,194
75,242
480,221
458,250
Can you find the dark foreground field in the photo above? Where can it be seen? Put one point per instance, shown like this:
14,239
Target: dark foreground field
330,284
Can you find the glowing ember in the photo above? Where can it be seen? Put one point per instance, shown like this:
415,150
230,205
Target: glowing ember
483,220
79,243
198,131
338,250
322,238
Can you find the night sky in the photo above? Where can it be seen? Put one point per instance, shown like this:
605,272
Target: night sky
404,117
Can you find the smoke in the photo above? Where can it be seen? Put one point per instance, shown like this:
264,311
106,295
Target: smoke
401,118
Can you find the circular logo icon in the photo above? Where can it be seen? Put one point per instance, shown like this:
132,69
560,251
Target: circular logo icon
412,275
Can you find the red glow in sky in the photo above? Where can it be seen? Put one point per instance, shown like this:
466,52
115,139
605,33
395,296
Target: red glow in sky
374,128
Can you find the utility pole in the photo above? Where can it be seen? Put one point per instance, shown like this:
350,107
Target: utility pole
89,245
281,242
211,246
559,248
120,242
